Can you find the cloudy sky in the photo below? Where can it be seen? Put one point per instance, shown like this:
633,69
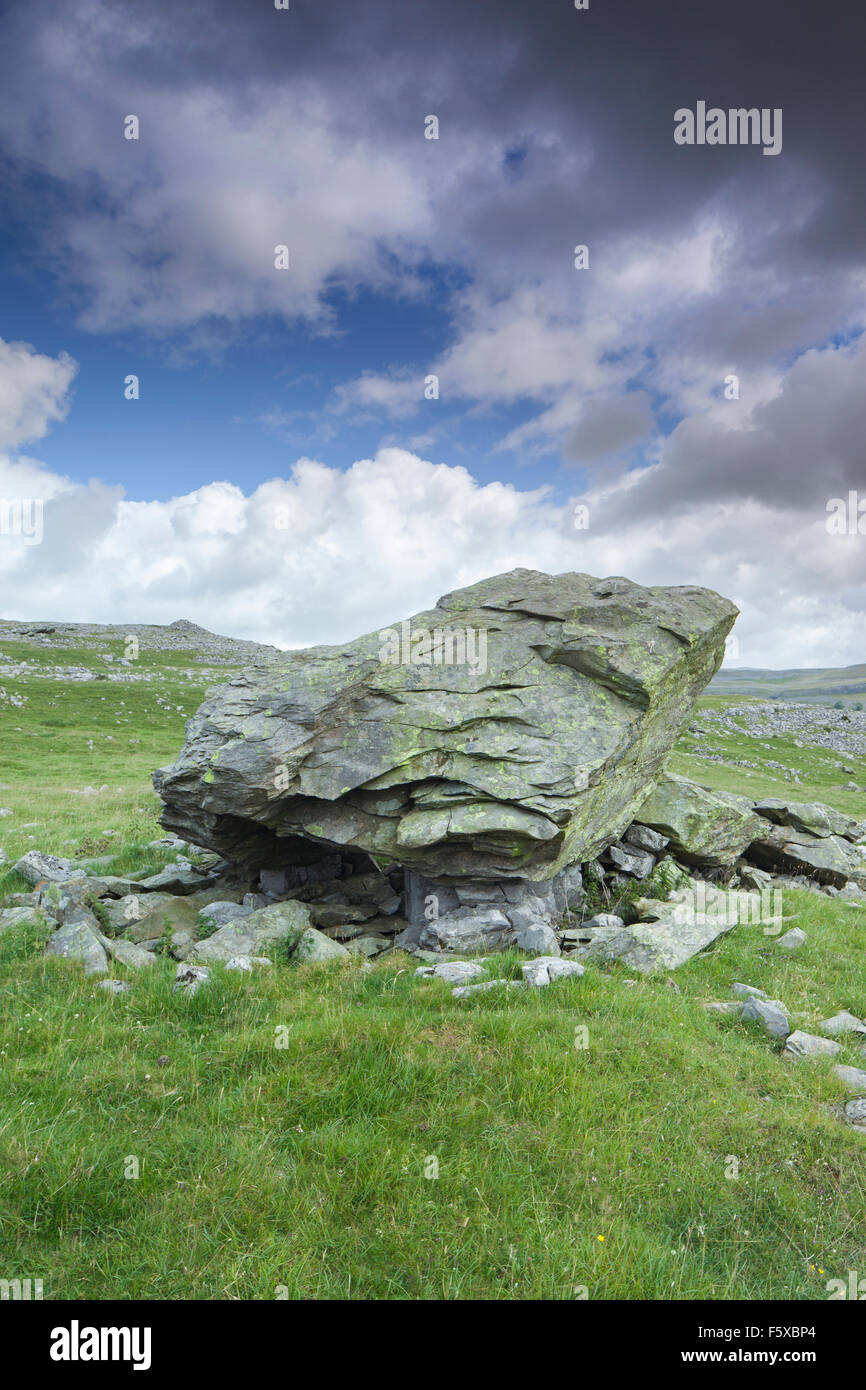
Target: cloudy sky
284,473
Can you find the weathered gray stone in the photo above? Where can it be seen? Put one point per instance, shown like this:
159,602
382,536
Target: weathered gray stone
854,1078
704,827
37,867
855,1111
545,969
218,913
177,881
748,991
752,877
80,941
21,917
643,837
464,991
114,986
133,907
828,859
603,919
770,1013
792,940
455,972
190,978
637,863
537,940
517,766
369,946
246,964
314,948
127,952
281,925
728,1006
811,816
467,929
800,1044
841,1023
664,944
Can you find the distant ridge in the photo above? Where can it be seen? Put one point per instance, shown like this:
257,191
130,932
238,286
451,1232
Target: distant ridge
814,683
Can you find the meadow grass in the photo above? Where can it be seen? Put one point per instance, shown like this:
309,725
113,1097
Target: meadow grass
342,1132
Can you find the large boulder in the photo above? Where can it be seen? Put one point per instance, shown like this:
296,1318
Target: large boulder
706,828
826,858
811,816
508,732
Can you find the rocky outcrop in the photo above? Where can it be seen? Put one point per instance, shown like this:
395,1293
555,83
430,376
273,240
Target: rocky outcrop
509,732
704,828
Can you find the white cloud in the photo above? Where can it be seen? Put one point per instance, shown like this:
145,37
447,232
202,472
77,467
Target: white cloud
324,555
34,392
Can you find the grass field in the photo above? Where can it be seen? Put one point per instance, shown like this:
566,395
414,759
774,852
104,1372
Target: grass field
351,1133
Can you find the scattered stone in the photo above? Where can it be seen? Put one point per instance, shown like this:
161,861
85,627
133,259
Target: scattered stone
114,986
770,1013
642,837
136,957
37,868
217,914
855,1111
545,969
80,941
468,929
637,863
748,991
728,1006
842,1022
819,820
246,964
174,880
457,972
703,827
463,991
190,978
853,1077
314,948
792,940
800,1044
21,917
537,940
602,919
368,946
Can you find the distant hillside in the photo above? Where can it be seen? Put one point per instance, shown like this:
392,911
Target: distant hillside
847,683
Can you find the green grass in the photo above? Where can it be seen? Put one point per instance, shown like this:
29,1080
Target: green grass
302,1168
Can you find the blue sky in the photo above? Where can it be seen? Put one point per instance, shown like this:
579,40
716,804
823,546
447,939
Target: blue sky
262,390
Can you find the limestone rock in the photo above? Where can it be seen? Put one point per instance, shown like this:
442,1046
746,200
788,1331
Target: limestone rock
642,837
704,827
529,755
313,948
811,816
37,867
792,940
770,1013
854,1078
545,969
828,858
464,991
190,978
455,972
538,940
800,1044
843,1022
80,941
